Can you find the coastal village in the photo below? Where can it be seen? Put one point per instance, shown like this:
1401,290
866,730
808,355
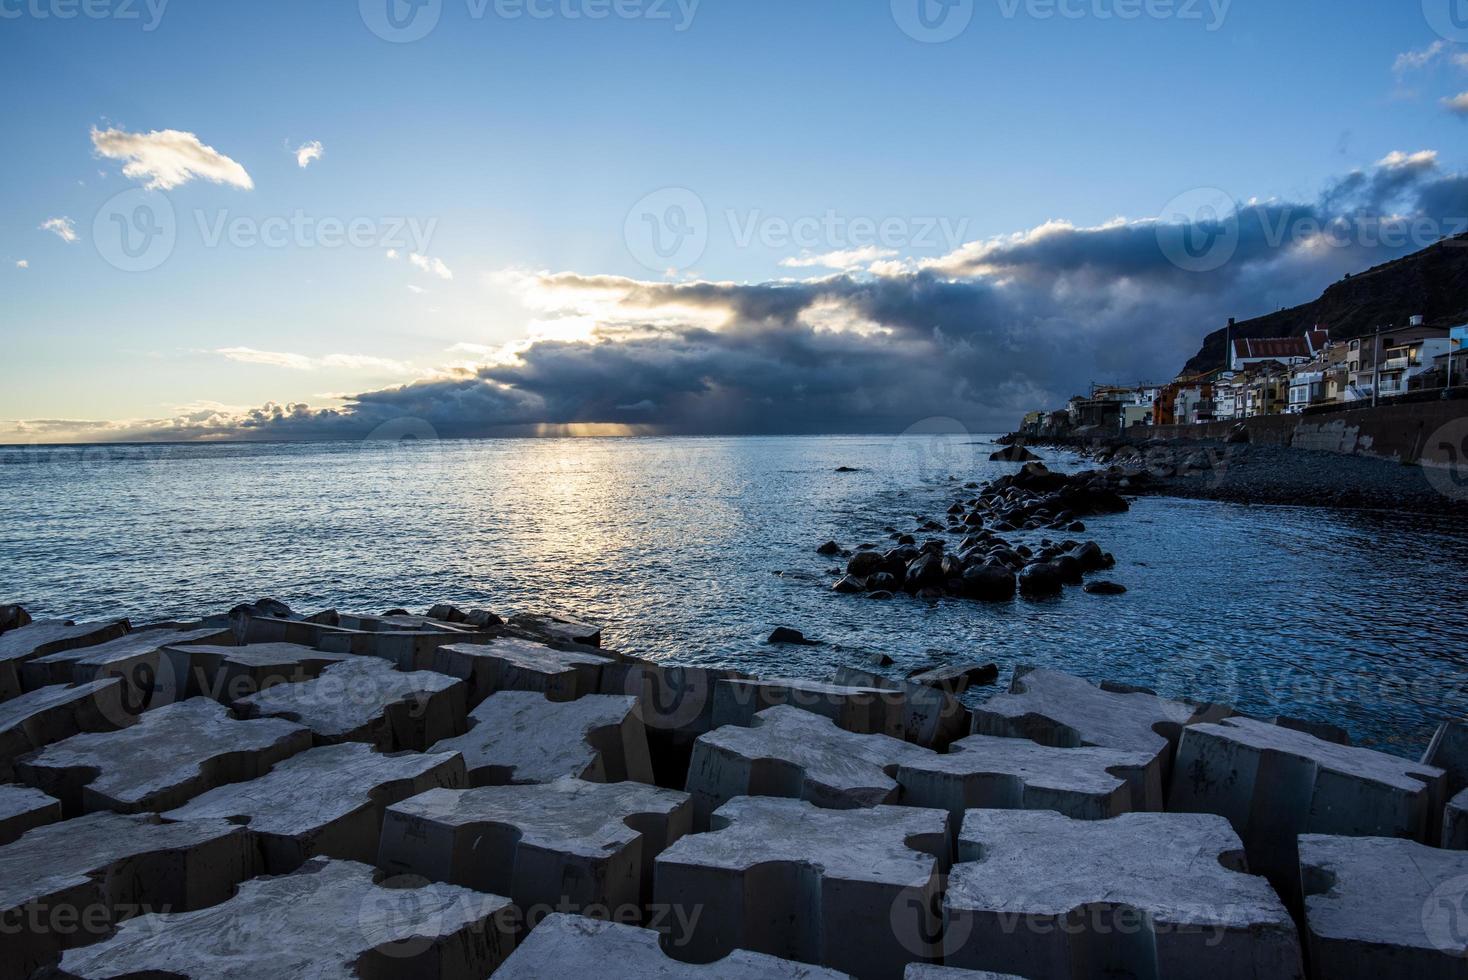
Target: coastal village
1301,375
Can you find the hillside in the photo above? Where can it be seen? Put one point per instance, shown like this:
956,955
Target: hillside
1432,282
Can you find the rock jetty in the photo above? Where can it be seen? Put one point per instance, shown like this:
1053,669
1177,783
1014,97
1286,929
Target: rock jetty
331,795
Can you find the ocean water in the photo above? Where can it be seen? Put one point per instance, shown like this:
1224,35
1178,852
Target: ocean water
692,549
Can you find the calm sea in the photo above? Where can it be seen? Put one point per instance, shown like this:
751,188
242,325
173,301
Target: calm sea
692,550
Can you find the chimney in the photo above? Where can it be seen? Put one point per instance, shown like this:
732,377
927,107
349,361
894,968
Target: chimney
1418,321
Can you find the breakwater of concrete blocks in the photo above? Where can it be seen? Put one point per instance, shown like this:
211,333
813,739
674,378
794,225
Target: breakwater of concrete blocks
266,794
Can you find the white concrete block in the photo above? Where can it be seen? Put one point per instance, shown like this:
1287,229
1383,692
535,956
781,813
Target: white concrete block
863,710
229,673
514,664
1274,784
364,699
44,637
568,845
1455,823
329,921
23,808
1449,752
1064,711
558,629
853,890
518,737
270,629
135,657
926,971
66,884
1380,908
989,773
325,802
405,649
54,713
171,755
1144,895
799,755
576,946
931,718
397,623
677,703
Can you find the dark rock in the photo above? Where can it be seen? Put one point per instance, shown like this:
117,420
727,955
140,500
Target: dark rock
446,613
847,469
1238,435
1105,588
850,585
13,617
953,566
263,609
828,549
956,680
1014,454
1077,527
1040,581
880,660
926,572
864,563
1090,557
1069,569
789,637
989,583
482,619
883,582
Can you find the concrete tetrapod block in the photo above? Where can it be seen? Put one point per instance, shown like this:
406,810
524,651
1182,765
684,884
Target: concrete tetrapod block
575,946
45,637
931,718
405,649
854,890
54,713
1379,907
519,737
926,971
398,623
364,699
1143,895
1057,709
569,844
65,884
514,664
250,629
135,657
329,921
1274,784
798,755
171,755
325,802
229,673
1449,752
22,808
558,629
862,710
988,773
1455,823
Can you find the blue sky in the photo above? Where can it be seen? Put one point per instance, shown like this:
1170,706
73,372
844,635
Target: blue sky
519,145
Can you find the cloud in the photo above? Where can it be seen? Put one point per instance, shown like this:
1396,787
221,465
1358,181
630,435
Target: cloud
1458,104
62,228
392,255
168,158
308,152
996,328
301,362
853,258
431,266
419,290
22,264
1417,60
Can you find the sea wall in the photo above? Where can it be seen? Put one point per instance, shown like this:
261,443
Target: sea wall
1430,433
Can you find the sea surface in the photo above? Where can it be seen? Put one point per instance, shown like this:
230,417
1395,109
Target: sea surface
693,549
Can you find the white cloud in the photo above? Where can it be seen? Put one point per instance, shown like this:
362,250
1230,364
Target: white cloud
169,158
301,362
1397,160
392,255
851,258
307,152
62,228
416,289
1417,60
1458,104
22,264
431,266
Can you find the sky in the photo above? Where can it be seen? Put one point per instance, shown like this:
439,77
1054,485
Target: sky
285,220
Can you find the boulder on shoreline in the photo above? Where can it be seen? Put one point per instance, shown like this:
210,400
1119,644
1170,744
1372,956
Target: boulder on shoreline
784,636
1014,454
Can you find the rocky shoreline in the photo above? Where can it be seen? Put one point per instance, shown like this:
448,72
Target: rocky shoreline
455,795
